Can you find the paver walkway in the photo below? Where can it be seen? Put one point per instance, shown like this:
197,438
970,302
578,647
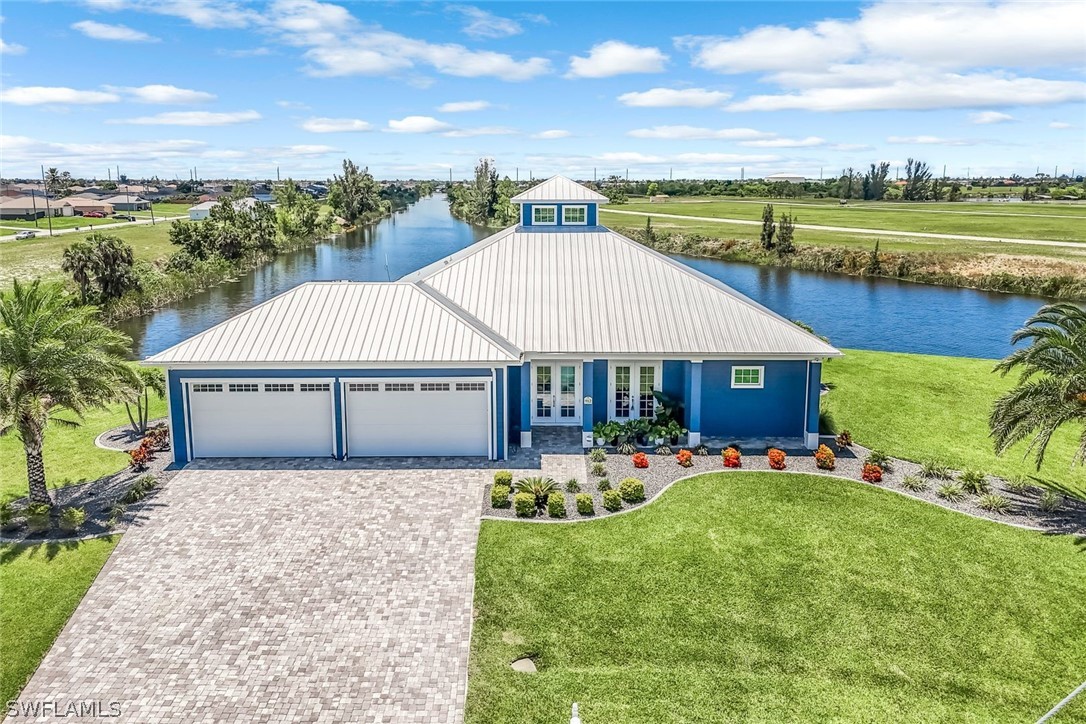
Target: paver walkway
272,590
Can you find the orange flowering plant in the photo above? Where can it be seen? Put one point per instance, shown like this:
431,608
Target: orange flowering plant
872,473
732,458
685,458
776,458
640,460
824,458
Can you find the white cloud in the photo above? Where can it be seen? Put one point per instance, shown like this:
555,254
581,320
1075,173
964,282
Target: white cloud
987,117
292,104
11,48
418,124
162,94
190,118
674,98
336,125
25,150
306,150
694,133
481,131
482,24
932,141
774,47
102,31
209,14
552,134
1060,125
36,95
614,57
257,52
463,106
807,142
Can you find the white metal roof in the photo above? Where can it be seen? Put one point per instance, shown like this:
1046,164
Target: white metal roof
597,292
344,322
558,189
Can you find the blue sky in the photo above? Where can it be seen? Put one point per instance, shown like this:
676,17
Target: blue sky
416,89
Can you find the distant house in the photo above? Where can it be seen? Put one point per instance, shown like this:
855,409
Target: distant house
659,199
29,208
121,202
199,212
84,204
786,177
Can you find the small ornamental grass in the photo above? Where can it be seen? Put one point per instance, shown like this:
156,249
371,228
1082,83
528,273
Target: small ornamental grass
824,458
38,517
701,450
599,470
776,458
843,439
935,469
994,503
685,458
1017,484
1050,501
632,490
612,501
499,496
72,519
524,504
626,448
914,483
871,473
603,485
732,458
116,512
556,505
640,460
573,485
585,506
598,455
974,481
503,477
878,457
663,450
951,491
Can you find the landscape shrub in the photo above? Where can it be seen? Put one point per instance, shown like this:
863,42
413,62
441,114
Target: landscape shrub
664,450
598,455
8,520
732,458
158,438
632,490
701,449
915,483
640,460
72,519
843,439
573,485
499,496
603,485
974,481
776,458
1017,484
612,501
538,487
878,457
139,489
685,458
599,470
38,517
556,505
994,503
140,457
935,469
524,504
503,477
626,448
951,491
116,512
871,473
824,458
149,482
1050,501
585,505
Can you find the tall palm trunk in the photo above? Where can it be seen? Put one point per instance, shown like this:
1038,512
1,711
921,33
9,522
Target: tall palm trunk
35,466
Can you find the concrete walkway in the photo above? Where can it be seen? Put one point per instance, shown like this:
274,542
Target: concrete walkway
867,232
282,590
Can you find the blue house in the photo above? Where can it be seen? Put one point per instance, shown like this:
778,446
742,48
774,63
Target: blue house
557,321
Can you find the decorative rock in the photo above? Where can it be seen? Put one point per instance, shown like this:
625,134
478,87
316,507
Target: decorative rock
524,666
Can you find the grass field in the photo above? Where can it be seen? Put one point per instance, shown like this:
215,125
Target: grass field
42,585
923,407
769,597
998,222
8,226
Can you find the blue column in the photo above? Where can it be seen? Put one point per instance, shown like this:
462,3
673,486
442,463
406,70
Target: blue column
527,384
337,410
587,387
178,415
499,414
693,403
814,394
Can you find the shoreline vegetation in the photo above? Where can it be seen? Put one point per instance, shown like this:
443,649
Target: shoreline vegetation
1036,276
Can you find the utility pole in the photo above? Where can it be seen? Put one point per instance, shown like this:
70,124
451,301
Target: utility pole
742,173
593,174
48,211
518,174
109,175
671,174
277,173
944,172
34,203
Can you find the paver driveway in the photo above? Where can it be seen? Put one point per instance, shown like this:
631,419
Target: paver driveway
282,595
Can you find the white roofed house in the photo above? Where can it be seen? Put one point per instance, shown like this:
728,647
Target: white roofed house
201,211
556,322
129,202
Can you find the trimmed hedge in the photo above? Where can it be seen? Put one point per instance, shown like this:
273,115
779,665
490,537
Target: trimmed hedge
585,506
632,490
612,500
499,496
524,504
503,477
556,505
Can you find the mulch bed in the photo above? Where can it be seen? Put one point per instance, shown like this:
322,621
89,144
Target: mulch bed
663,470
97,497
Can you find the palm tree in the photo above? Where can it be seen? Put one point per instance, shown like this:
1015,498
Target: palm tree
151,380
1052,390
54,355
539,487
81,261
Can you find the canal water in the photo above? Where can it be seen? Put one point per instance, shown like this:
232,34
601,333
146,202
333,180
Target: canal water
866,313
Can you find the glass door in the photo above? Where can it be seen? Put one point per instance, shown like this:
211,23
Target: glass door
568,409
556,393
631,388
544,393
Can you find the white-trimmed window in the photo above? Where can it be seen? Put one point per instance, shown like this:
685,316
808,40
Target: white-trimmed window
630,388
575,216
363,387
244,387
748,377
544,216
399,387
433,386
206,387
315,387
279,387
470,386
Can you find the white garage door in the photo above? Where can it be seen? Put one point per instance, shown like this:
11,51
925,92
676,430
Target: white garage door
417,417
261,418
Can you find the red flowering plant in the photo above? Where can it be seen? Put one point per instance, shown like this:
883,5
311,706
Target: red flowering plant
872,473
685,458
640,460
732,458
776,458
139,457
824,458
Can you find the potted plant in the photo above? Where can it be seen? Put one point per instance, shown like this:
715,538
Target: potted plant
658,432
673,430
621,433
640,428
599,432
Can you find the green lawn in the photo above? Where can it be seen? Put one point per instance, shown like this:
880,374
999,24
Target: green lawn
70,453
42,584
9,226
769,597
920,407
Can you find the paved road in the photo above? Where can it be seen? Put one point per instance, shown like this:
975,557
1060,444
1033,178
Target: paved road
274,590
867,232
43,233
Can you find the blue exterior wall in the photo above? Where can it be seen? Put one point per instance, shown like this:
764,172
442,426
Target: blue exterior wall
176,391
814,394
779,409
591,214
513,394
588,389
599,384
498,405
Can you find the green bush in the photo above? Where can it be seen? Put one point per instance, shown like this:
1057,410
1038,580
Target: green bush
1017,484
599,470
878,457
994,503
598,455
603,485
38,517
612,500
524,504
584,504
503,477
116,512
632,490
974,481
915,483
573,485
499,496
952,492
935,469
149,482
72,519
556,505
1050,501
8,520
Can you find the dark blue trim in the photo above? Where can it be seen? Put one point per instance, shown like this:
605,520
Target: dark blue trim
599,384
526,385
587,389
499,414
591,215
693,405
814,394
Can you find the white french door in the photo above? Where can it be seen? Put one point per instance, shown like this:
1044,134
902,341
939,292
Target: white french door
556,393
629,389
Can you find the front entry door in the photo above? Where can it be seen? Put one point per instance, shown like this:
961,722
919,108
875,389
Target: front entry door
556,393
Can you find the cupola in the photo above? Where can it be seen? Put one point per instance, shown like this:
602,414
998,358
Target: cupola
559,202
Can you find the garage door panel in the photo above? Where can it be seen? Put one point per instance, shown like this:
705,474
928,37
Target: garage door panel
280,418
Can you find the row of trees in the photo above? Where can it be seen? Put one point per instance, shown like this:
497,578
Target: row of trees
778,236
485,200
